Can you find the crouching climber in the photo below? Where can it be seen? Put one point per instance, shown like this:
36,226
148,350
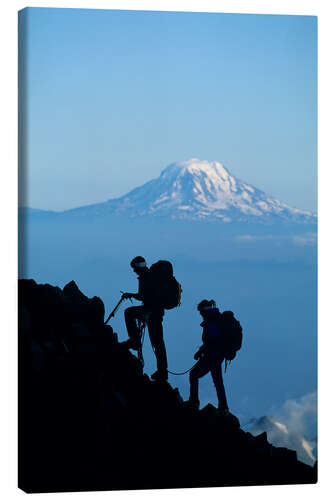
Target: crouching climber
222,337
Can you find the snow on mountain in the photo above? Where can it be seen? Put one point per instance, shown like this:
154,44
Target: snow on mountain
279,434
196,189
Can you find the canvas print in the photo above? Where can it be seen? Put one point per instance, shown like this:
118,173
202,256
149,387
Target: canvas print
167,250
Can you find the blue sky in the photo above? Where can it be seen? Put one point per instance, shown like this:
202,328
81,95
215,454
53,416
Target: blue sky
115,96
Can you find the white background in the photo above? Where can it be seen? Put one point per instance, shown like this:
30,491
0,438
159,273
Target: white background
8,260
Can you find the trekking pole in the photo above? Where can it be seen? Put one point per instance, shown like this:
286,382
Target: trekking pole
112,313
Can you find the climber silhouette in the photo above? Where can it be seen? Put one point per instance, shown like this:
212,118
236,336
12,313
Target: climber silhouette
151,312
209,356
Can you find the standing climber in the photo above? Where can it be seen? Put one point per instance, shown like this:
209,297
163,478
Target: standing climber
151,312
222,337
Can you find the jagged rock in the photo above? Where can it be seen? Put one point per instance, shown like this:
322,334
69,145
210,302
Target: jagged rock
177,396
209,412
72,290
84,309
230,420
284,454
261,439
91,420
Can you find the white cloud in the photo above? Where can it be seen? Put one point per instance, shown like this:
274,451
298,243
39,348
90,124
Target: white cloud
294,426
309,239
251,237
300,414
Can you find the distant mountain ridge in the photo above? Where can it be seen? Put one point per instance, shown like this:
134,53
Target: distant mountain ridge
278,434
198,190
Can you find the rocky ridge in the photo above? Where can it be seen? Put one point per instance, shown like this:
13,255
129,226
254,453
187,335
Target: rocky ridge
90,419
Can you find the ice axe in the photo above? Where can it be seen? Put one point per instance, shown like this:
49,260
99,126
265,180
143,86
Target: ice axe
112,313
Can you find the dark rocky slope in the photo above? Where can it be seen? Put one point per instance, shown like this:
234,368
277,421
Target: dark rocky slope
90,420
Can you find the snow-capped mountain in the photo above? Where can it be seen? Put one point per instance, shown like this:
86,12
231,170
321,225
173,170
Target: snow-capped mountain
196,189
278,434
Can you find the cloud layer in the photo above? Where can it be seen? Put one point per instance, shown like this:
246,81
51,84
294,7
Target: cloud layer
300,417
307,239
300,414
292,426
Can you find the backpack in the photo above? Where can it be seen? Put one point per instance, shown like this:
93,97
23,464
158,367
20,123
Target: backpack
232,334
167,289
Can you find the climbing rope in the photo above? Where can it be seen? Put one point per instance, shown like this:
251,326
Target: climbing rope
182,373
141,328
175,373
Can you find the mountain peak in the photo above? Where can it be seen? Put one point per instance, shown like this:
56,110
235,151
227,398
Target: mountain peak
201,190
195,166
